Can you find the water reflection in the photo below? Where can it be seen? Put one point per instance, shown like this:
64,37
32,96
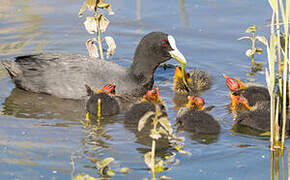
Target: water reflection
25,104
143,138
184,14
278,165
18,36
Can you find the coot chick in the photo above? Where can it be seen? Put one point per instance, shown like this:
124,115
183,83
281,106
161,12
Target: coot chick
252,93
197,80
256,117
195,119
65,75
149,102
105,97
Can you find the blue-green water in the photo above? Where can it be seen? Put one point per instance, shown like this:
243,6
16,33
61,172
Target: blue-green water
41,136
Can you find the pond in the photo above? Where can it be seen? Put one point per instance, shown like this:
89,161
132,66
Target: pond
42,137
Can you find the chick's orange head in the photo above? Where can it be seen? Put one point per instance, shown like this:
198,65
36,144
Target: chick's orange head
109,88
232,83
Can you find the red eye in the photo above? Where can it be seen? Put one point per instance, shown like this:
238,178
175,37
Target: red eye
164,44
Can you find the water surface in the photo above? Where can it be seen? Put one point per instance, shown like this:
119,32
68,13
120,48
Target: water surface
41,136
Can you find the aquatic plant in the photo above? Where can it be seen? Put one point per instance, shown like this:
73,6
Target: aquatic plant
96,24
160,127
251,52
104,170
274,55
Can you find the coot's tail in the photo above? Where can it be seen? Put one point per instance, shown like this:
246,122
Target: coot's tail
12,68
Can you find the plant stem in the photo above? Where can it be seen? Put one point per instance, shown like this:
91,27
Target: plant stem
155,121
253,48
99,40
153,158
99,111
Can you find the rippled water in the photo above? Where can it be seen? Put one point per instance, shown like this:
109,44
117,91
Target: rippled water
41,136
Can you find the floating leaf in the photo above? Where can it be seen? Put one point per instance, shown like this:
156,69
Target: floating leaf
92,48
251,29
154,134
83,8
166,124
144,119
125,170
245,37
110,173
250,52
104,22
165,178
84,177
106,162
259,50
148,159
91,25
267,133
112,46
262,39
159,167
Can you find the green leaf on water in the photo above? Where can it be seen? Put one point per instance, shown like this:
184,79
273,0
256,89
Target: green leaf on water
110,173
159,167
125,170
267,133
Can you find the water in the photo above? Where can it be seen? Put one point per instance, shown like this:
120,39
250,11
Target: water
41,136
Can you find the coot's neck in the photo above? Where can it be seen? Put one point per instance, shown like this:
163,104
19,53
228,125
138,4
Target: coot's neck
143,67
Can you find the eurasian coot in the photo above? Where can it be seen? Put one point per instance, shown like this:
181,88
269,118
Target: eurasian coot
64,75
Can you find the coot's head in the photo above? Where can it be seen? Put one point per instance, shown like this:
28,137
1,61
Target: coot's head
195,102
152,96
154,49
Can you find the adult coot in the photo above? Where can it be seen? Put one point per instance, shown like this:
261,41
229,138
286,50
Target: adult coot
195,119
64,75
